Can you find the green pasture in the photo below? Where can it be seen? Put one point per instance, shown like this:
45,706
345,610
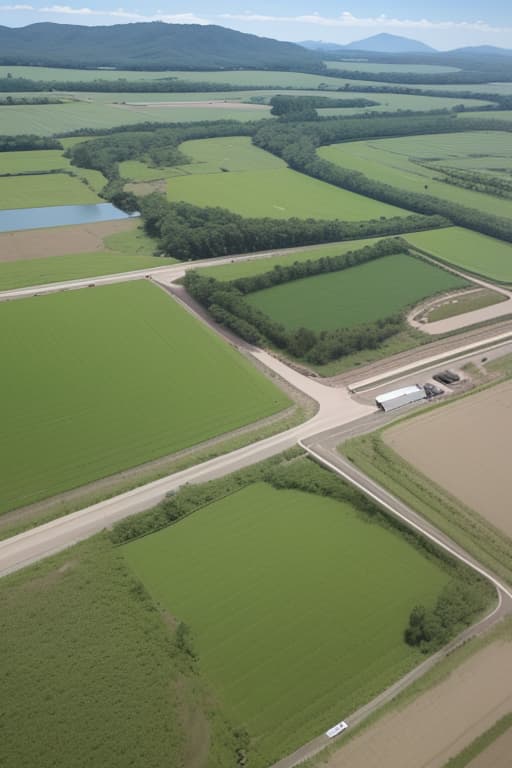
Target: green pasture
292,628
376,66
497,115
46,120
278,193
44,190
237,77
87,662
396,162
99,380
391,102
354,296
462,248
123,252
32,161
257,266
136,170
233,153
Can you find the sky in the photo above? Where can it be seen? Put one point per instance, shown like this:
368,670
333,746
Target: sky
443,24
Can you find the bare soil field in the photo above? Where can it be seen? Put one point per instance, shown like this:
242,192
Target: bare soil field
498,755
466,449
59,241
441,722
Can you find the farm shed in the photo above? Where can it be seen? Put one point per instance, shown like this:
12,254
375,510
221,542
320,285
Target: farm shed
399,397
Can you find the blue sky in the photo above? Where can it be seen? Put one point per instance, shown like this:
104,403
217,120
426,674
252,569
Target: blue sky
441,23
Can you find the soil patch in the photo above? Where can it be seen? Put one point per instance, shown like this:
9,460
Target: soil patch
497,755
59,241
466,449
441,722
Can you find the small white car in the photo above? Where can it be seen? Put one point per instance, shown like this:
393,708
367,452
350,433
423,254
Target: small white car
336,729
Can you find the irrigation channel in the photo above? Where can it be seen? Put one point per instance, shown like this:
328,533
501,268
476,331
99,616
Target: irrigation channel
339,417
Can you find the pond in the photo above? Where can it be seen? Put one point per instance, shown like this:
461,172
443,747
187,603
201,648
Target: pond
59,216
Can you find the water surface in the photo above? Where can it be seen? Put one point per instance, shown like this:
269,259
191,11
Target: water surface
59,216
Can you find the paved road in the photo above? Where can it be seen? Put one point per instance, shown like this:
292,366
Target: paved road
450,324
166,274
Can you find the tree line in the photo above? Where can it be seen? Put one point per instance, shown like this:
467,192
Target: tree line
188,232
226,303
26,142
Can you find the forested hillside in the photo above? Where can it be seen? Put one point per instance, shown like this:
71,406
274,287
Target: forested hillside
152,45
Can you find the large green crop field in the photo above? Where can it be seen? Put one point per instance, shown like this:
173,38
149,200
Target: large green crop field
354,296
99,380
123,252
292,628
390,102
462,248
397,162
44,189
48,119
273,191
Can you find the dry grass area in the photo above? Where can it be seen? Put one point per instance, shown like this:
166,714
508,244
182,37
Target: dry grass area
465,448
498,755
440,722
59,241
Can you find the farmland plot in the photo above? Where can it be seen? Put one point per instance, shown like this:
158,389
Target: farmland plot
291,626
120,381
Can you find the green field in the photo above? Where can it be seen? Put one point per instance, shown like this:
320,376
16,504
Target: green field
236,77
96,381
397,161
124,252
234,153
273,191
44,190
32,161
89,664
257,266
354,296
292,628
462,248
391,102
377,66
46,120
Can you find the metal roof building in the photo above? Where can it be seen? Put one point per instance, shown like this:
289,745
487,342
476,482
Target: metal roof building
400,397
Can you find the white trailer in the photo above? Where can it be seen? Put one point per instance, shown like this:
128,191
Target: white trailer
397,398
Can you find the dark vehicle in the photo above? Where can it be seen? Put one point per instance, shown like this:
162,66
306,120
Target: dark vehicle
446,377
432,391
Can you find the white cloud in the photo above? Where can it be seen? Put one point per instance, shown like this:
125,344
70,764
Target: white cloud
118,13
347,20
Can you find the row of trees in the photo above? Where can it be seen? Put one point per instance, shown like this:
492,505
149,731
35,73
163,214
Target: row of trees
188,232
311,267
304,107
27,142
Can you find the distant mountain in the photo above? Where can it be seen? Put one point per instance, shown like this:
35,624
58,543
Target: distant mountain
153,45
485,50
385,43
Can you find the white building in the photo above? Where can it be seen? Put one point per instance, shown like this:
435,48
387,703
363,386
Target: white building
399,397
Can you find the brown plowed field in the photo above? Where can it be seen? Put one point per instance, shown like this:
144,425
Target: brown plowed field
466,448
59,241
498,755
441,722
